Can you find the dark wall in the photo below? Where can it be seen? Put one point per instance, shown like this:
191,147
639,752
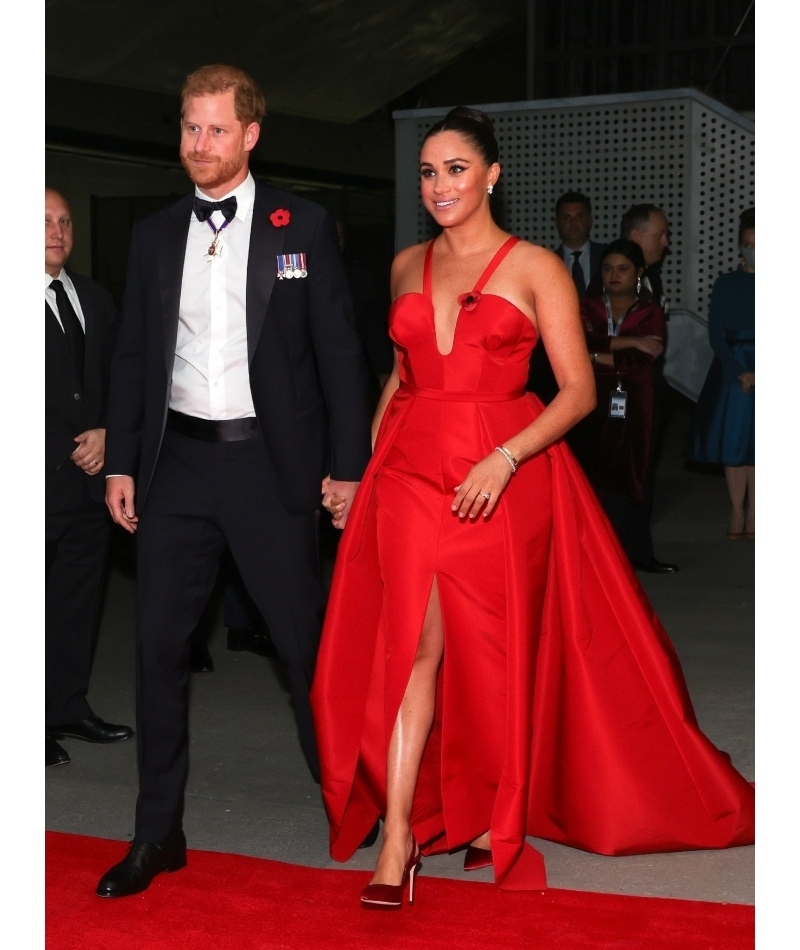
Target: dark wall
597,47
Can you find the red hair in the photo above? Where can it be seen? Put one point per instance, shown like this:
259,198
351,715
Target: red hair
248,100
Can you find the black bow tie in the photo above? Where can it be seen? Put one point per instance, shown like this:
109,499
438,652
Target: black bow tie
204,209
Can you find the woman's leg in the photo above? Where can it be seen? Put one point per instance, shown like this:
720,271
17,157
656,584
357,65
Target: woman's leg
411,730
736,478
750,521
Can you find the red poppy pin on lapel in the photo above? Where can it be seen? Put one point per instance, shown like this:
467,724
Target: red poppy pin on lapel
280,218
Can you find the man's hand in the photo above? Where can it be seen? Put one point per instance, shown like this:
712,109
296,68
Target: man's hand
747,380
120,490
337,497
91,452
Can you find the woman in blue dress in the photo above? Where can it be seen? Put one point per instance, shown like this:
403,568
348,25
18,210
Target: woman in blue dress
724,427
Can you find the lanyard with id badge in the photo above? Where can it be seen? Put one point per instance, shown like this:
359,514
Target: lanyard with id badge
618,400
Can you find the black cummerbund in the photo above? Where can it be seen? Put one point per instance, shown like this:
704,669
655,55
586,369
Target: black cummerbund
213,430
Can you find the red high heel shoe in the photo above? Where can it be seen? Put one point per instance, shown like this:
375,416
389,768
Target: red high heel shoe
476,858
390,896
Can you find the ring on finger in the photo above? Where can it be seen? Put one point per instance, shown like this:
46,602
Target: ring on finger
486,494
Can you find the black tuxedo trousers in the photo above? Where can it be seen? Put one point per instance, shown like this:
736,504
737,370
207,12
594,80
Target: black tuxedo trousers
205,496
76,548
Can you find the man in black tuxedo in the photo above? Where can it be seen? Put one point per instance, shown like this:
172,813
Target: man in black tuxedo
80,318
581,255
238,386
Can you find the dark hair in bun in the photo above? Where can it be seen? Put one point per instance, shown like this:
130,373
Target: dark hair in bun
474,125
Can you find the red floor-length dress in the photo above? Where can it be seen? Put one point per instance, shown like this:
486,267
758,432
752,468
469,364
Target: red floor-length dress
561,708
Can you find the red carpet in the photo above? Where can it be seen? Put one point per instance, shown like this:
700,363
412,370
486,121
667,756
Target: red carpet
230,902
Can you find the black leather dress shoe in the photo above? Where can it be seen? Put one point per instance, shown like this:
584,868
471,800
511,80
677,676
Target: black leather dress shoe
54,754
92,729
251,639
140,865
200,660
372,837
654,566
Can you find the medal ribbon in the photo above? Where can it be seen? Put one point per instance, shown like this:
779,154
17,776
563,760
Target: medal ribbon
217,231
292,265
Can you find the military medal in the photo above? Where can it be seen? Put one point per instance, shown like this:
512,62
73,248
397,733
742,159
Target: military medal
214,249
291,266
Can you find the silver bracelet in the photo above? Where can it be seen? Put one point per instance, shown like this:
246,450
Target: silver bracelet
507,456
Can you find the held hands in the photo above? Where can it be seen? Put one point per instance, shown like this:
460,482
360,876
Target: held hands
120,490
337,498
487,477
747,380
91,452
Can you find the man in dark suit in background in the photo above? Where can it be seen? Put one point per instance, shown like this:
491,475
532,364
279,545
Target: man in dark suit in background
238,385
79,323
574,224
581,256
647,225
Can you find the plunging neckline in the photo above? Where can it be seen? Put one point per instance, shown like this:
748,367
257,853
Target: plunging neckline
427,286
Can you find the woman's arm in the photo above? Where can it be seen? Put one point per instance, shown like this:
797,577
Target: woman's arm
559,327
645,344
642,347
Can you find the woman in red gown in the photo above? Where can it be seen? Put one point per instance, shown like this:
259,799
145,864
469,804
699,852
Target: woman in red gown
490,667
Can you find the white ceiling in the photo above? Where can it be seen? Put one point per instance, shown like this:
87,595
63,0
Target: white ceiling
338,60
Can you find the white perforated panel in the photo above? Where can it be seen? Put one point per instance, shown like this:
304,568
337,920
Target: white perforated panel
680,150
723,185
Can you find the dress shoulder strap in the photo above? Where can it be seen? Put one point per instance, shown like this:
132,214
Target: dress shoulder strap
427,276
494,263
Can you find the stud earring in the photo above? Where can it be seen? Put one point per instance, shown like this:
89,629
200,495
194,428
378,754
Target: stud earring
490,189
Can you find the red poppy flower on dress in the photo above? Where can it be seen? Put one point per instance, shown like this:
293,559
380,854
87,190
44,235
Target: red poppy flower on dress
280,218
469,301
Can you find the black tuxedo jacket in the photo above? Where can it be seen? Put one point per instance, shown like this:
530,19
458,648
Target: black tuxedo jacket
595,256
73,405
307,373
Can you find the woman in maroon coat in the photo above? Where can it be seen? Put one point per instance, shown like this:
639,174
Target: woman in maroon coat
625,333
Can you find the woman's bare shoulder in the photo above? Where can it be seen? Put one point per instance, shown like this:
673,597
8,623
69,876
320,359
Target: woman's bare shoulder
537,255
407,268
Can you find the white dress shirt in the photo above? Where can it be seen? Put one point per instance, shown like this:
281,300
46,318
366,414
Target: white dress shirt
210,377
69,287
585,260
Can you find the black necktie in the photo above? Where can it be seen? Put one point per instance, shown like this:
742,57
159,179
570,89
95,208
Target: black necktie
76,338
204,209
577,273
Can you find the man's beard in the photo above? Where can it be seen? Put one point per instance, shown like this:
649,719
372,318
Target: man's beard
215,174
